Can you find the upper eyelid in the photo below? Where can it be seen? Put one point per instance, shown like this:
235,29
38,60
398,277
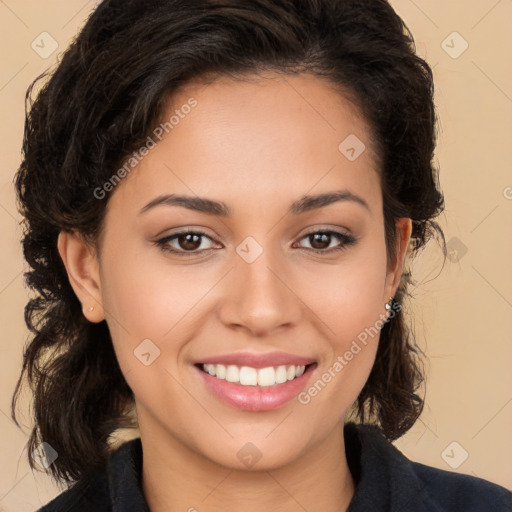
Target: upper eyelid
176,234
203,233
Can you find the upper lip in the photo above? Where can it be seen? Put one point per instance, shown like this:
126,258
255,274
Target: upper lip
258,360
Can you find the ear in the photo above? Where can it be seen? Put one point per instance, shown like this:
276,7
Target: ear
403,236
82,266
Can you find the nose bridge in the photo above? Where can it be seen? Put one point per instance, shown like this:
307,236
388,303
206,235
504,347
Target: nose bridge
259,298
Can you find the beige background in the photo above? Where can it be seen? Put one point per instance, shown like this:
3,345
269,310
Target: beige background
463,314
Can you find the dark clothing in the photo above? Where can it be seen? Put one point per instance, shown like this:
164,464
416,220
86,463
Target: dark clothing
386,481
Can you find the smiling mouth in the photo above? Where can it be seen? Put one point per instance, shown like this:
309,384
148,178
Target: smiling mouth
249,376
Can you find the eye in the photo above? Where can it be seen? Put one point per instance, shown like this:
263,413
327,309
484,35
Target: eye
184,242
189,243
321,241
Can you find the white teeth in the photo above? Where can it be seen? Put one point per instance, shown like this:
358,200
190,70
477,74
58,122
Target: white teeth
281,375
220,371
232,373
266,376
248,376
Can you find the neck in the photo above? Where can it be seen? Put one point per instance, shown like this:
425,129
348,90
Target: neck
176,479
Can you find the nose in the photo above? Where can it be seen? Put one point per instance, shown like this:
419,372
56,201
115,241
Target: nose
260,297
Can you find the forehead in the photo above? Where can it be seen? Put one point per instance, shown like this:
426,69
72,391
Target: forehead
263,138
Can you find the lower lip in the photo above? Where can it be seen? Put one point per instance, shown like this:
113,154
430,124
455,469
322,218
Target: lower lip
256,398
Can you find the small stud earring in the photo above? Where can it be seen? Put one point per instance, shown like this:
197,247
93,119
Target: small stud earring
91,308
389,304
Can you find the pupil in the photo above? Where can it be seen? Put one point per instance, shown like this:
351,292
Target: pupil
322,238
189,244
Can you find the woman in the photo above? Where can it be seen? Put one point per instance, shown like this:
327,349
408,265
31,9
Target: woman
220,197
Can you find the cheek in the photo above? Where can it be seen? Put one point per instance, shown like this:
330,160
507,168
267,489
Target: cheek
148,300
354,319
349,297
350,304
147,295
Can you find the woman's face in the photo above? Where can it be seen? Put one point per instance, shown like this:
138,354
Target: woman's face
248,296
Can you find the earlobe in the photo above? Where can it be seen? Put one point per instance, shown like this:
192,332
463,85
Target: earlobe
82,267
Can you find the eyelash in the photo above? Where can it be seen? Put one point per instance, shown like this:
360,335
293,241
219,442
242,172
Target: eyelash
347,240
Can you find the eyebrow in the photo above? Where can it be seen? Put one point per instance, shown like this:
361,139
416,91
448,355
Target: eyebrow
204,205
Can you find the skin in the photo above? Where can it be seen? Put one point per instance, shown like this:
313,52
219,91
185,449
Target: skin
257,146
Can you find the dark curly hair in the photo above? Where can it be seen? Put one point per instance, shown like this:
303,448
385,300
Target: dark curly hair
98,106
